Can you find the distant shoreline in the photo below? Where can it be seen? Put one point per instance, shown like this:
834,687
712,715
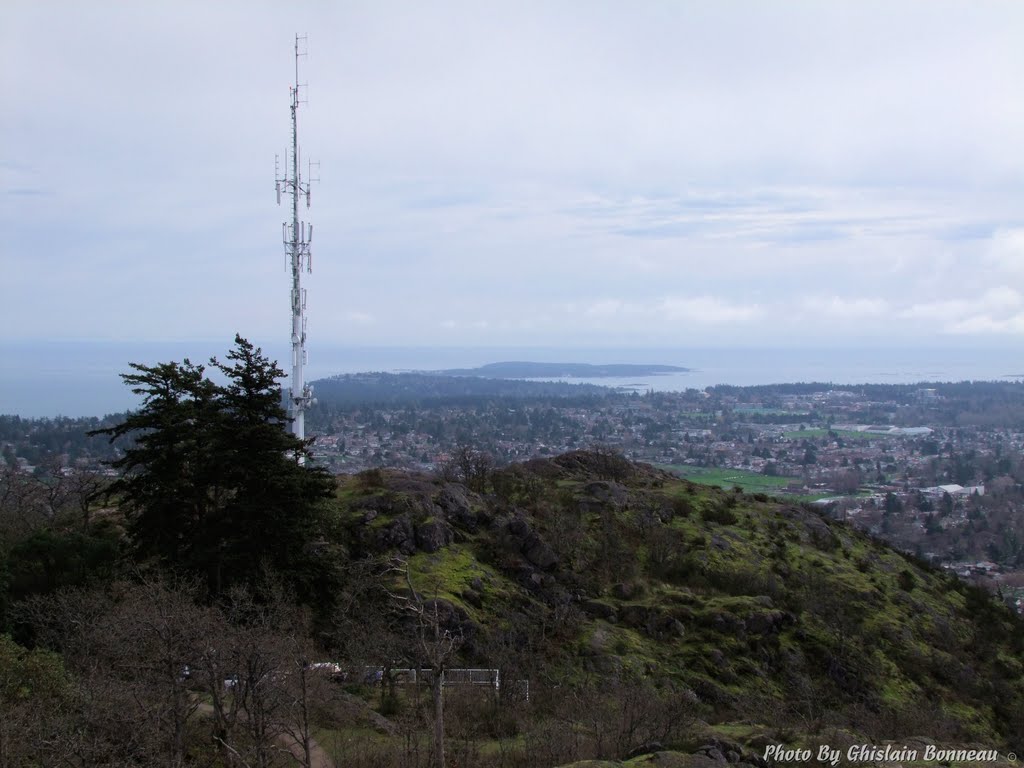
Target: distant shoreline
530,370
77,379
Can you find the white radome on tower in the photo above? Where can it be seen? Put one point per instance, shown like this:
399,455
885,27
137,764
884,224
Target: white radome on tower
297,236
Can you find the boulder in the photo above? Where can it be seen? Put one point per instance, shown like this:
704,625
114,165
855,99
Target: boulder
767,622
449,615
536,551
399,535
666,627
432,535
519,528
645,749
712,751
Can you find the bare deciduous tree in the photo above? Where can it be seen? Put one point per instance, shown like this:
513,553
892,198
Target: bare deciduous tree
470,467
130,649
435,645
84,488
22,504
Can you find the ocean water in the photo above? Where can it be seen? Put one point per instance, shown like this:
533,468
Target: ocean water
82,378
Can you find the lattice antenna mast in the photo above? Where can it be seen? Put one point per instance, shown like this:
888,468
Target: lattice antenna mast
297,236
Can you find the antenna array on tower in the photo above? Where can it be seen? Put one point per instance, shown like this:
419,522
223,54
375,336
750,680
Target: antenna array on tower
297,236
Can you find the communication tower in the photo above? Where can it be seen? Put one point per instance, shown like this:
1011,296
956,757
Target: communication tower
297,236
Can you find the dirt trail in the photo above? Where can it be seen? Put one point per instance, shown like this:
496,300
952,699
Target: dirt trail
317,755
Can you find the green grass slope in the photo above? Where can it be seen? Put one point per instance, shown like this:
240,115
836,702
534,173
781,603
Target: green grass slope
593,568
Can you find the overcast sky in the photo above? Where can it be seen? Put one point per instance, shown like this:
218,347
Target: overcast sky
518,173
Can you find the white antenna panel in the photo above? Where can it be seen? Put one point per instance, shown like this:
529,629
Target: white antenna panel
296,236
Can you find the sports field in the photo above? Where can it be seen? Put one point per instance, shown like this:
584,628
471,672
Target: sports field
844,434
750,482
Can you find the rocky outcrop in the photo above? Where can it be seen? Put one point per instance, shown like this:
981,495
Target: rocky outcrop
398,534
768,622
432,535
419,520
812,528
454,505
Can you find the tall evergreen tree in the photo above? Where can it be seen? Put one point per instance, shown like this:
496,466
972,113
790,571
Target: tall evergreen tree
215,483
163,485
274,512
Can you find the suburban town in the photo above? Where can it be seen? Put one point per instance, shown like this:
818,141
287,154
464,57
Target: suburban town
936,470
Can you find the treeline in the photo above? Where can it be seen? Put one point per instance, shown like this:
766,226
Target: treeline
482,422
986,404
402,388
39,441
452,409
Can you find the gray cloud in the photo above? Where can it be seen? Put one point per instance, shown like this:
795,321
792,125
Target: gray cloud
700,168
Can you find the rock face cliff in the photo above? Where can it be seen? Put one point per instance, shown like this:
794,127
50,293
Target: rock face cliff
586,566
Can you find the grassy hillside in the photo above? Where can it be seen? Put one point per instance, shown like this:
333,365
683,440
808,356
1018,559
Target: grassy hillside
770,622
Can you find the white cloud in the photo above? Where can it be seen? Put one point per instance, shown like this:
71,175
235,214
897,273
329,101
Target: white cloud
698,310
707,310
1001,298
846,308
608,308
935,310
996,311
1006,250
987,324
361,318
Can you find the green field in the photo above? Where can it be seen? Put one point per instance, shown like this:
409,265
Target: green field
771,412
750,482
845,434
